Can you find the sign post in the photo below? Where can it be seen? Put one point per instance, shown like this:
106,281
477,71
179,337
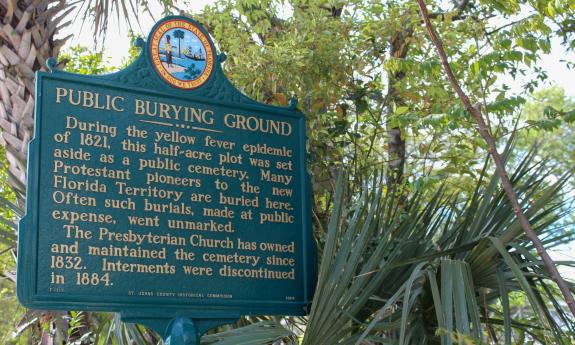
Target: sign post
163,193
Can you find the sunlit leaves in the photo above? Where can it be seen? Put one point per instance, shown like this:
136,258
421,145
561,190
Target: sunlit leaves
80,60
550,121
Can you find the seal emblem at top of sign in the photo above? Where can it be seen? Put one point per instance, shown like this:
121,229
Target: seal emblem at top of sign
181,53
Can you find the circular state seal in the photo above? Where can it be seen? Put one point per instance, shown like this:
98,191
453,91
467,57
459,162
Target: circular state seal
181,54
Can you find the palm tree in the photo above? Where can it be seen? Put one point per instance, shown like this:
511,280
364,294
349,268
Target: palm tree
26,42
440,271
179,34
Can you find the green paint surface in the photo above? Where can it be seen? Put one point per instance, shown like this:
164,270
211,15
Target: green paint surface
144,197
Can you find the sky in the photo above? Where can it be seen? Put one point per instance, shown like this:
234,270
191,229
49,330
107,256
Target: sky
558,72
117,42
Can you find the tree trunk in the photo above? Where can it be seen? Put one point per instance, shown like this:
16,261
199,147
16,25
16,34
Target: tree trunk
26,41
396,142
27,31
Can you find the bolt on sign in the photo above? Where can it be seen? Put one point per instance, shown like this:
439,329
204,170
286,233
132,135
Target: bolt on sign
163,193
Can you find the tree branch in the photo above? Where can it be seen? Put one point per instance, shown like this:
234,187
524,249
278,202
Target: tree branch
502,172
509,24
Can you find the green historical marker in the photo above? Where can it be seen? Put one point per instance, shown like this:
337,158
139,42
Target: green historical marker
163,193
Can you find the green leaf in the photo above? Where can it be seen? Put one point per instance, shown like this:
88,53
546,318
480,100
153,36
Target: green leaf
569,116
259,333
401,110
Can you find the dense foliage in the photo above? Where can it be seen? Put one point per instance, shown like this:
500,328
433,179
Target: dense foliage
418,243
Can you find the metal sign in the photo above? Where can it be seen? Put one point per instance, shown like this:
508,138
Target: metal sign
161,191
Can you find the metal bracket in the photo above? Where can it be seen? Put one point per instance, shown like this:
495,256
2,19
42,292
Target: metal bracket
180,330
186,331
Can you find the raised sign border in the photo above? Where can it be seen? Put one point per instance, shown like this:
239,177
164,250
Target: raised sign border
141,76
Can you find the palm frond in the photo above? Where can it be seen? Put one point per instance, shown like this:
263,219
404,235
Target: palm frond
100,11
440,269
260,333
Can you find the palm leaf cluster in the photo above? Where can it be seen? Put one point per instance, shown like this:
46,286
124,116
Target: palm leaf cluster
438,269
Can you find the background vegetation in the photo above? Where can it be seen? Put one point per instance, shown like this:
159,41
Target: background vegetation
418,243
